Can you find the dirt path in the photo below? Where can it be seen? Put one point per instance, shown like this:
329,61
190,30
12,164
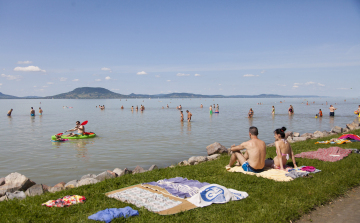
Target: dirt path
343,209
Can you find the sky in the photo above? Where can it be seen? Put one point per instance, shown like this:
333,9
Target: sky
205,47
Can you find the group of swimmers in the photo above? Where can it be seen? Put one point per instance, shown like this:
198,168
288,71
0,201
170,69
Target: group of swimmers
211,108
142,108
32,111
101,107
253,159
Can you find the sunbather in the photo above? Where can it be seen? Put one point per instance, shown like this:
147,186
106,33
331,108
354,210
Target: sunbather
283,151
254,158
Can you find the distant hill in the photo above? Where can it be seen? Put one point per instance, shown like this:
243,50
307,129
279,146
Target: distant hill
87,93
5,96
103,93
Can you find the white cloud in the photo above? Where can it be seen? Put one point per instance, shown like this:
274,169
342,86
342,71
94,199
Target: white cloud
63,79
50,83
24,62
168,80
75,80
310,82
322,85
44,86
107,78
106,69
297,83
182,74
0,84
250,75
97,79
263,71
29,68
197,75
35,86
295,86
141,73
157,75
11,77
219,84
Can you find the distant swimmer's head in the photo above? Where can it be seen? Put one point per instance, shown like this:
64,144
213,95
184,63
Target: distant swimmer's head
280,132
320,109
253,131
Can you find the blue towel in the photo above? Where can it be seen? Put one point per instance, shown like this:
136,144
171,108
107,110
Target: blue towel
110,213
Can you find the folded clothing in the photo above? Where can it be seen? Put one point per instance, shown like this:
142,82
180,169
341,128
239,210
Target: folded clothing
65,201
308,168
295,174
215,193
331,154
179,187
110,213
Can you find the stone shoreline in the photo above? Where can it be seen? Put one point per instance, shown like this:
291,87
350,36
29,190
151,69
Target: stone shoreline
16,185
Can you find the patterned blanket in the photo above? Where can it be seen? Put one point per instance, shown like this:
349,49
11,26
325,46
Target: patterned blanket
331,154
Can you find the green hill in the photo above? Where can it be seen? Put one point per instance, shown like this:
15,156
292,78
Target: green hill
87,93
5,96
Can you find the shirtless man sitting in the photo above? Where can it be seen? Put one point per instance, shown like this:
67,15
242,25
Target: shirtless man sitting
78,127
253,160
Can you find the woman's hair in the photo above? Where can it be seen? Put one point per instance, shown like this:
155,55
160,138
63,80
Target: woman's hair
280,132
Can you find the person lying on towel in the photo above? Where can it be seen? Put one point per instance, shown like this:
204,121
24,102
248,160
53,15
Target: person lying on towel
253,160
283,151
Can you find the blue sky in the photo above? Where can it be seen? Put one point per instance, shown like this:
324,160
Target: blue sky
207,47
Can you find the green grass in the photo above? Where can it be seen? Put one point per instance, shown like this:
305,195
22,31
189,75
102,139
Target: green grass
268,201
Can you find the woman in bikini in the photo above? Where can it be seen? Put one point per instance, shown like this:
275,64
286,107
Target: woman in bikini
291,110
273,110
283,151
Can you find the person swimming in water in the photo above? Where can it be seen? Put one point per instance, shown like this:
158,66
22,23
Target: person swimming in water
283,151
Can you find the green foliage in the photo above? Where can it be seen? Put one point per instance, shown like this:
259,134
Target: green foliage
268,201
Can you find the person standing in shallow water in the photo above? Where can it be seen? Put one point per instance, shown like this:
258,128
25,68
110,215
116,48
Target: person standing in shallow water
40,111
273,110
181,116
189,115
251,113
332,110
32,111
9,112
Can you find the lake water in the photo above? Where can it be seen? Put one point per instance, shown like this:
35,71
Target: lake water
155,136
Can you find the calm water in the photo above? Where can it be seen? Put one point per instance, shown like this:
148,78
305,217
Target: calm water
155,136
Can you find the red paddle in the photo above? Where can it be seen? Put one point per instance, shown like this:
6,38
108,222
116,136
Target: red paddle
85,122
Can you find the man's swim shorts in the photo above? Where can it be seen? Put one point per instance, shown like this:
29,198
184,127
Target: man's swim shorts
332,113
246,167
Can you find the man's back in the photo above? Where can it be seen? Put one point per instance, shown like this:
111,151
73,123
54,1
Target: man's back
256,150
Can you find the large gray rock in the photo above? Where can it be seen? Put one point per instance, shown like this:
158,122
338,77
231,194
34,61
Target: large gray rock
55,189
337,129
118,171
124,172
213,157
61,184
351,126
15,182
318,134
296,134
216,148
37,189
15,195
307,135
88,176
2,181
138,169
289,139
87,181
3,198
298,139
346,130
153,167
287,134
104,175
71,184
326,133
197,159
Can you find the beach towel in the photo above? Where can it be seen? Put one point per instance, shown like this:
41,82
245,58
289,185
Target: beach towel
269,173
65,201
110,213
337,141
215,193
179,187
331,154
350,136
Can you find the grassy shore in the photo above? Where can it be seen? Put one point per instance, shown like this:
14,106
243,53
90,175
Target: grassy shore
268,201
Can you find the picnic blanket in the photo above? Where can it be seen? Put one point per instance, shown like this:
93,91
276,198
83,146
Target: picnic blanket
178,186
350,136
268,173
65,201
331,154
110,213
